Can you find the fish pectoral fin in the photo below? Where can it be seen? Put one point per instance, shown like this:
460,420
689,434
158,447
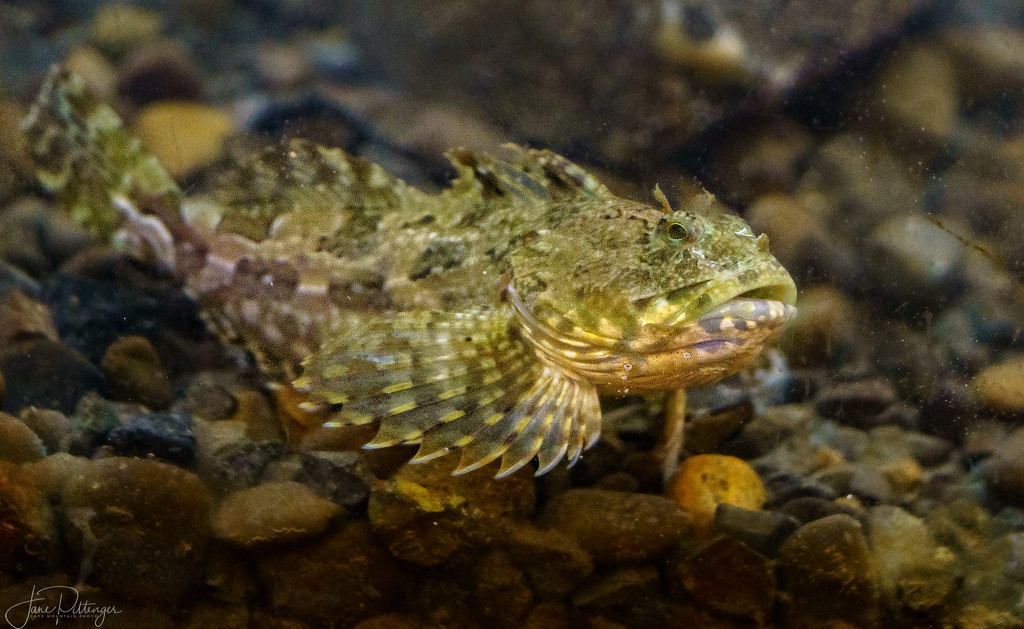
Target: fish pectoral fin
454,380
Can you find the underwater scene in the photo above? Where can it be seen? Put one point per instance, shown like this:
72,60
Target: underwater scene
398,314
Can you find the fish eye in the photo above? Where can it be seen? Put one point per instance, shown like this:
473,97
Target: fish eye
681,230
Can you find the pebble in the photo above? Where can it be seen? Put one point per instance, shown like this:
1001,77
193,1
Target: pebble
706,433
763,531
166,436
18,444
553,561
502,592
164,70
915,263
988,57
1004,470
855,403
912,569
627,587
341,477
272,513
282,66
425,515
133,368
226,459
825,329
826,573
999,386
799,238
83,311
209,397
617,527
23,318
337,580
706,480
50,375
729,576
118,28
183,136
29,536
139,527
917,90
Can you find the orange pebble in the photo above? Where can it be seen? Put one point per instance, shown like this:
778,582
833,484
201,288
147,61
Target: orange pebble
706,480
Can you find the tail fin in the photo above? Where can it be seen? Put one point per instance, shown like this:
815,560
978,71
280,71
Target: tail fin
98,168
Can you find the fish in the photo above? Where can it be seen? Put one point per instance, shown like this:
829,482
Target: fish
485,319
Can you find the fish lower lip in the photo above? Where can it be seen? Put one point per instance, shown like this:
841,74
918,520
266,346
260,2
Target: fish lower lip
757,311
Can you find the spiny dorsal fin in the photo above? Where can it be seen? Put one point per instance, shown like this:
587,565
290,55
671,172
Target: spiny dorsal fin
462,380
92,163
528,174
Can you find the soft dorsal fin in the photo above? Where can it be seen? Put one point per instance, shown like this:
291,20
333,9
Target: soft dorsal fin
528,174
297,188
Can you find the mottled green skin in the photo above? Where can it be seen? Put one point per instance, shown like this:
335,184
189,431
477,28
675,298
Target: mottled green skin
486,317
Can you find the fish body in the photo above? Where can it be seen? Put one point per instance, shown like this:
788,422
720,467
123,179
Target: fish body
486,318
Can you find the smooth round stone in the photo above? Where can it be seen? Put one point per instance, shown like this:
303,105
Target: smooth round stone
184,136
1001,386
272,512
1004,470
617,527
18,444
825,326
133,368
119,27
143,524
95,70
918,91
826,572
336,580
29,536
730,577
913,258
707,480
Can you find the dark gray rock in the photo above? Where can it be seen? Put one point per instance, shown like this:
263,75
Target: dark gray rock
342,477
167,436
763,531
46,374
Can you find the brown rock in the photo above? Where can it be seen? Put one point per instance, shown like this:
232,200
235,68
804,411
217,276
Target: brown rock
825,327
730,577
827,574
1001,386
707,480
29,537
338,580
425,514
140,524
617,527
272,512
133,368
553,561
18,444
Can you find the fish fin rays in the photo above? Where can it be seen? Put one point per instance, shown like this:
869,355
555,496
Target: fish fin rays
464,381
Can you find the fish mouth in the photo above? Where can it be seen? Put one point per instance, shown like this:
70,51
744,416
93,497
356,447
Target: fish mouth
721,339
695,302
